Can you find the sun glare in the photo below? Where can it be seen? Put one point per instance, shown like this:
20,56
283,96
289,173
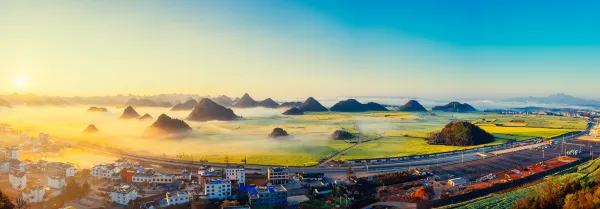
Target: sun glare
21,82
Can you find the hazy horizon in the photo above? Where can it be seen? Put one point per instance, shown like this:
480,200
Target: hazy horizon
425,49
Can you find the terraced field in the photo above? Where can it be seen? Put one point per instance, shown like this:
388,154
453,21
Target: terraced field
585,174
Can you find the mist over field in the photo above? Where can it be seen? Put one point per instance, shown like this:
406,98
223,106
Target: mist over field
210,140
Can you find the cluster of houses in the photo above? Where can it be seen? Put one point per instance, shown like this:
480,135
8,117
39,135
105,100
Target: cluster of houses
217,184
34,191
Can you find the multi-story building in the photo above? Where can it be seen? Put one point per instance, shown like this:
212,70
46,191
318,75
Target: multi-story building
18,180
4,167
16,166
56,182
145,178
186,175
278,175
268,196
34,194
177,198
208,173
161,178
236,174
98,171
43,138
124,193
109,171
219,189
11,153
59,168
123,164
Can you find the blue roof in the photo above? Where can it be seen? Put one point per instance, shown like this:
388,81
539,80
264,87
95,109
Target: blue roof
245,189
253,191
271,189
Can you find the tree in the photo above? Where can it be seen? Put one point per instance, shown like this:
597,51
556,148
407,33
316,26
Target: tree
349,172
5,203
73,189
85,187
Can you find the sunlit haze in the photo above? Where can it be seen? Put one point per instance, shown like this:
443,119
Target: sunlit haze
299,48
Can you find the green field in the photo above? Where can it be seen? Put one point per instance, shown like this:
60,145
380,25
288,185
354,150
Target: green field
408,138
391,133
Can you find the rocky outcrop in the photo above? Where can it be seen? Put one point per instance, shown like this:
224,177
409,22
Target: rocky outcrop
352,105
246,102
165,104
412,106
268,103
35,102
312,105
166,125
293,111
341,135
129,113
97,109
141,103
55,101
207,110
146,117
4,103
190,104
223,100
455,107
291,104
91,129
278,132
460,133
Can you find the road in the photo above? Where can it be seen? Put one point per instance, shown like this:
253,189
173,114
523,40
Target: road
392,167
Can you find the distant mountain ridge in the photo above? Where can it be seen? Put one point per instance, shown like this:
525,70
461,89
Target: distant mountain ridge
351,105
557,99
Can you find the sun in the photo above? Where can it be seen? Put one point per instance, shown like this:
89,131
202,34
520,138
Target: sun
21,82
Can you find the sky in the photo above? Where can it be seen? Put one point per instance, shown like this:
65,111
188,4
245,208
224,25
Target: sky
270,48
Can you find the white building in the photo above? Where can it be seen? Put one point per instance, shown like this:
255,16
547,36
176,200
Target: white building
16,166
278,175
34,194
160,178
122,163
109,171
59,168
217,189
4,167
142,178
122,194
180,197
56,182
18,181
98,171
236,174
11,153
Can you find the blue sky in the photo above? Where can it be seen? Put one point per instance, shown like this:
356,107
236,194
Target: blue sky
319,48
